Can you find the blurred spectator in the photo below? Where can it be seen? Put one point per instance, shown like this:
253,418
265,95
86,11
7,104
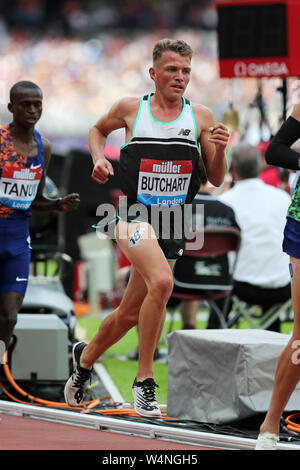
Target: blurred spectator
76,20
206,271
268,174
3,34
262,274
28,14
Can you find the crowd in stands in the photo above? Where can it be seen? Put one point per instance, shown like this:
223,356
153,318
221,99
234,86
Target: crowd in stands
102,55
85,16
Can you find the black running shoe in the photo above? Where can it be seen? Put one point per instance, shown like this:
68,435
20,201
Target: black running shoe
75,388
145,403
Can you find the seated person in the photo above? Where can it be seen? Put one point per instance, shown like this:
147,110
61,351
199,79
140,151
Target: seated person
262,274
191,274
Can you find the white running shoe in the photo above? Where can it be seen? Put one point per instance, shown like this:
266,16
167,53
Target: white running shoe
266,441
145,403
75,388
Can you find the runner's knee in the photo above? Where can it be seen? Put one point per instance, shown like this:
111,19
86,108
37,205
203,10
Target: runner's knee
8,316
161,286
8,320
9,307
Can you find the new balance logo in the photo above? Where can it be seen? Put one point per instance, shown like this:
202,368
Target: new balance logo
184,131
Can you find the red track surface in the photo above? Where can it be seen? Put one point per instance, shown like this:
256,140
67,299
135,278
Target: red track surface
18,433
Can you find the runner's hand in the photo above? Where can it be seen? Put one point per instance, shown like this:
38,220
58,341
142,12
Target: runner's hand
219,135
102,170
69,202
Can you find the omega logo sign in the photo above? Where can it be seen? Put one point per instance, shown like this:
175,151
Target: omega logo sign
241,69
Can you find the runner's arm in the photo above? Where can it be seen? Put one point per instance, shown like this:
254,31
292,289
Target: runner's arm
212,140
44,204
114,119
279,152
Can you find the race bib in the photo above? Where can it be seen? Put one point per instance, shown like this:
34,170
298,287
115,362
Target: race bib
18,187
163,183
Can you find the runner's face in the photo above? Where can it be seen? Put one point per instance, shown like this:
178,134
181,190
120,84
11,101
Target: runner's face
27,107
171,74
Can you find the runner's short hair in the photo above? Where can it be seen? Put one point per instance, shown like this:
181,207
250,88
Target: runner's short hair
18,87
175,45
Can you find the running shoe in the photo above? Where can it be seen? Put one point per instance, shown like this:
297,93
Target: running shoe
145,403
75,388
266,441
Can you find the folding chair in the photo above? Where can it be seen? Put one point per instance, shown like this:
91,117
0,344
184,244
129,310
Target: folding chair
256,320
206,274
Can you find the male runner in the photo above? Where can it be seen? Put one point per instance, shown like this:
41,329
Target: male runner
24,158
160,167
